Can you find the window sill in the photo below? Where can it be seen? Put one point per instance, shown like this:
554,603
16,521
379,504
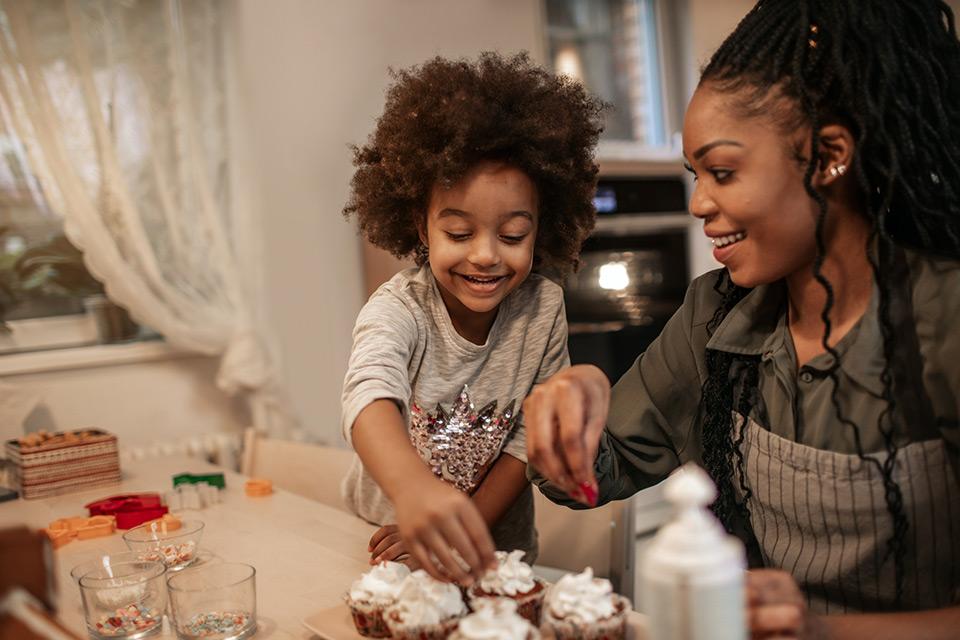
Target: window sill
100,355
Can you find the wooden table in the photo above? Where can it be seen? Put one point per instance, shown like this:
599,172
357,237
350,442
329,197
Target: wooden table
306,554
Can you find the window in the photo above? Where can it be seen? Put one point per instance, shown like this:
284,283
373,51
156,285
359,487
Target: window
626,52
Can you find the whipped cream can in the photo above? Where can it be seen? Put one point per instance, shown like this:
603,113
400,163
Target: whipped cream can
693,571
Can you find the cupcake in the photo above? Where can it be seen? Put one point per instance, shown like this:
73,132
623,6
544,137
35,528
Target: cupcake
372,593
513,579
426,609
581,607
495,618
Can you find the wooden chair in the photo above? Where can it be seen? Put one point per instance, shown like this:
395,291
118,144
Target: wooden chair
309,470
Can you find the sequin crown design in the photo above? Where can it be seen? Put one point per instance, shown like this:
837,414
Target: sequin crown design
460,446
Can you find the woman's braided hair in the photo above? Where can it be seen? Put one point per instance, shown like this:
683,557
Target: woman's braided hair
889,70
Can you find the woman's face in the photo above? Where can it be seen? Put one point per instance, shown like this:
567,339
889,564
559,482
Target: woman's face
749,191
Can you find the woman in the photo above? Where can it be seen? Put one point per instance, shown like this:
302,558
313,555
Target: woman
824,140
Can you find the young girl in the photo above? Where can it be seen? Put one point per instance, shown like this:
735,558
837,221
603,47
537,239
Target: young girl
483,172
816,376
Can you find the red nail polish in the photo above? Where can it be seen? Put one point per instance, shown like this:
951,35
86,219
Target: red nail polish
589,493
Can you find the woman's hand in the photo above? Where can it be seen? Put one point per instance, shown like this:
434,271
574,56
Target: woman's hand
564,417
437,524
776,608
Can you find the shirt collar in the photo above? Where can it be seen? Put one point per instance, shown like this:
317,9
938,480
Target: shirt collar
756,326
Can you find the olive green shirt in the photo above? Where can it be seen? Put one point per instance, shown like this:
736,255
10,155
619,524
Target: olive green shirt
652,426
651,429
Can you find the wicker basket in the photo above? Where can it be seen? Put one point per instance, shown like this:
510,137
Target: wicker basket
64,462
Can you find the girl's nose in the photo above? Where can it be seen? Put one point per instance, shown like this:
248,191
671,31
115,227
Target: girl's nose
484,253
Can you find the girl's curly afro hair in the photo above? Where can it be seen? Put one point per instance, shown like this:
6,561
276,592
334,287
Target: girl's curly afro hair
443,117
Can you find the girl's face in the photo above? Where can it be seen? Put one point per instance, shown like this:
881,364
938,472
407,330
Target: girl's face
749,191
480,234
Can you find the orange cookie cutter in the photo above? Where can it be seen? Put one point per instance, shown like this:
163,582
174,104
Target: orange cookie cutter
258,487
166,522
64,530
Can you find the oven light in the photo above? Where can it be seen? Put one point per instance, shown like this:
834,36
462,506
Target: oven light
614,276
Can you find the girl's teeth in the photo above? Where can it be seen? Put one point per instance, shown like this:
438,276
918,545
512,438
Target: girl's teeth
725,240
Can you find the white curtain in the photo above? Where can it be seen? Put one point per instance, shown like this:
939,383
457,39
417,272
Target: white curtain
121,108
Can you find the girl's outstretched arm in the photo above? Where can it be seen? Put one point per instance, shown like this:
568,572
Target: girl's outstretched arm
433,517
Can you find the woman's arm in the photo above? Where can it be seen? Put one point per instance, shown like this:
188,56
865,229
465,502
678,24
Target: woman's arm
432,516
776,608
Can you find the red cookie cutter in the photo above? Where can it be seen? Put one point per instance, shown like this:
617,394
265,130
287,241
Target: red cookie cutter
130,510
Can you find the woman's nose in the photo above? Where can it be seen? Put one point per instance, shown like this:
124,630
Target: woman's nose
701,204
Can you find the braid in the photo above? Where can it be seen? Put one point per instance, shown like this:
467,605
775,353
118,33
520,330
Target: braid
887,69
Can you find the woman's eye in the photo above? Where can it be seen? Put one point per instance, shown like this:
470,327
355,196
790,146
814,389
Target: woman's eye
457,237
721,175
689,167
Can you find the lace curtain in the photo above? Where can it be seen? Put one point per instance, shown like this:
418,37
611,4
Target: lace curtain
120,105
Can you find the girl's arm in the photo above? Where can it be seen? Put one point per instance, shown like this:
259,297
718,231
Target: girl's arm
432,516
501,487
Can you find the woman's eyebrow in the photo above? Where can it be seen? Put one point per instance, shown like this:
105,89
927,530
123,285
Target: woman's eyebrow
702,151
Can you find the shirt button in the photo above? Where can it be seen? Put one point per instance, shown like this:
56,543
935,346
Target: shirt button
806,376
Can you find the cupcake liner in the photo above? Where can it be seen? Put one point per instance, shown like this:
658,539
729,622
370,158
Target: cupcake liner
368,618
439,631
612,628
529,605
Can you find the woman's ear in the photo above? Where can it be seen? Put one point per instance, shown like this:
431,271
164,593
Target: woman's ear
835,154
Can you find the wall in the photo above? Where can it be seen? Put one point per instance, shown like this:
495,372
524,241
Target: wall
313,76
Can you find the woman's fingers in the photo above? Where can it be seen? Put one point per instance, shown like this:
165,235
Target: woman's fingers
779,619
542,445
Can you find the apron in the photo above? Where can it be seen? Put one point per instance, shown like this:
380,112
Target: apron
822,517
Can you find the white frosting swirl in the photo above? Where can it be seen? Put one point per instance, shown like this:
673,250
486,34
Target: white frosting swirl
424,601
511,577
581,596
495,619
381,584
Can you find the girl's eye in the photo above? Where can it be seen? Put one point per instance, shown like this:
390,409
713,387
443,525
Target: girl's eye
513,239
457,237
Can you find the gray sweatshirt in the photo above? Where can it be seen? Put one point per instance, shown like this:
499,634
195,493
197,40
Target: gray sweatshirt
406,349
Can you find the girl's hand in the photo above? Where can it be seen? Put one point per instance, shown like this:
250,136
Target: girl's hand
564,417
775,606
437,524
386,544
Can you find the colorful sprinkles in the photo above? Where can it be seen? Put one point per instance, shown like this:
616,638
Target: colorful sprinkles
128,620
205,625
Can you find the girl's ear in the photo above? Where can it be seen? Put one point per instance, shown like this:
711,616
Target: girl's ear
835,155
422,229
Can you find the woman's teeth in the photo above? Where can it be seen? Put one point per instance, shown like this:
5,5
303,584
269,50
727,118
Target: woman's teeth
723,241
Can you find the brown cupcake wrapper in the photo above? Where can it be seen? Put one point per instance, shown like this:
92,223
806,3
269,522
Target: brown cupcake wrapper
439,631
612,628
529,605
368,618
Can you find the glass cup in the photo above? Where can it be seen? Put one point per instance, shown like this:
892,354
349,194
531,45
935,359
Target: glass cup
215,601
176,548
105,560
124,599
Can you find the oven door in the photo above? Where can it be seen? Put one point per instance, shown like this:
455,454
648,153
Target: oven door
626,289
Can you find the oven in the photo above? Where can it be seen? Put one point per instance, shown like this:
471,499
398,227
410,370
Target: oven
634,271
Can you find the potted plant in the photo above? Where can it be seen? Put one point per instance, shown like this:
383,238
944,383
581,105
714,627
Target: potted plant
55,269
